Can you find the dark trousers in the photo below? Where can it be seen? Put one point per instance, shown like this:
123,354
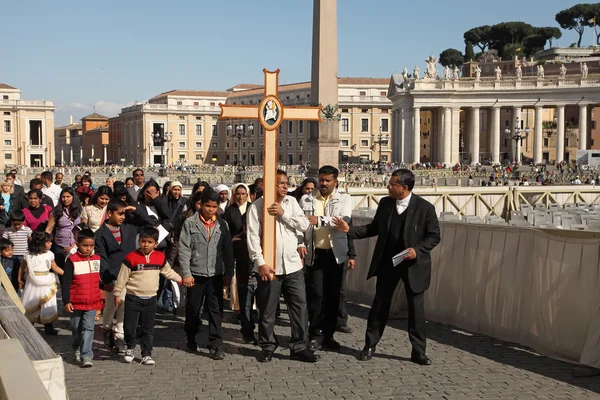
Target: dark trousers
143,312
324,284
387,280
342,318
60,256
246,296
209,289
267,297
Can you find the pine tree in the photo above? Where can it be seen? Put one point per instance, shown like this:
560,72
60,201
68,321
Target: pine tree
469,53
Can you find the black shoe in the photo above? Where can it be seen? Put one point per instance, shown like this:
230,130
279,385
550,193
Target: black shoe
420,359
331,344
120,346
192,346
314,345
304,355
250,340
367,353
265,356
343,329
49,329
217,353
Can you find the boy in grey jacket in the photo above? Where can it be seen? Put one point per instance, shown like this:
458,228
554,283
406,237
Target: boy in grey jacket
206,261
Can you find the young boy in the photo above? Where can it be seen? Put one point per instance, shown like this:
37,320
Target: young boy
81,295
139,275
114,240
206,260
9,262
18,234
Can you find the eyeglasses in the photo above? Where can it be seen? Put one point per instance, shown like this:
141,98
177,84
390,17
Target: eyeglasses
138,174
282,184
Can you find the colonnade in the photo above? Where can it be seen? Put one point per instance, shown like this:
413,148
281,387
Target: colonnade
448,126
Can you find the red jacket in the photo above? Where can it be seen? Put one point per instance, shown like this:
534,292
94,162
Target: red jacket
81,281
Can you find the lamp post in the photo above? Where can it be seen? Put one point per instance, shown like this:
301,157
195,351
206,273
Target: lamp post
381,140
161,138
517,134
239,133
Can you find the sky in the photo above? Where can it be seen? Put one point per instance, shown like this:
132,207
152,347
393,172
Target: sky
113,53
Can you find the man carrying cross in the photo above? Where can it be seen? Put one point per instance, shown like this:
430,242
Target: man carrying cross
285,277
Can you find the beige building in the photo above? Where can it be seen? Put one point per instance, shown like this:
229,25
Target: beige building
27,130
68,143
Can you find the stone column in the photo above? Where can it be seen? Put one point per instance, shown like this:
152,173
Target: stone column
81,156
416,136
70,154
495,135
62,156
447,138
560,133
406,135
474,139
324,137
105,154
397,137
455,155
515,123
538,135
582,127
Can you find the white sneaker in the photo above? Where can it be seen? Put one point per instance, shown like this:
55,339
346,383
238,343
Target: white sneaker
129,355
147,361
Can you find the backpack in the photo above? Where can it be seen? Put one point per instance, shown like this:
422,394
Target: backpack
169,297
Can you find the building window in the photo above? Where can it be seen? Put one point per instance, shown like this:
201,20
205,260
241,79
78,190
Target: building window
566,142
198,145
344,110
290,143
385,125
8,142
364,143
362,93
8,156
235,145
181,117
290,123
382,94
7,126
199,118
181,145
300,143
300,126
215,131
179,103
243,145
364,110
196,103
546,142
5,97
428,120
345,143
198,156
364,125
345,125
181,130
280,158
280,130
252,144
280,143
215,145
198,130
212,104
384,157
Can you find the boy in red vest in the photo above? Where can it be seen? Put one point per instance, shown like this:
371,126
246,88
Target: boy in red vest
140,275
81,295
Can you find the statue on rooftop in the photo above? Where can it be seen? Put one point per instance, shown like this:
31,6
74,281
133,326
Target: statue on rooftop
431,72
519,72
477,72
416,73
446,73
584,71
498,72
562,71
456,73
405,73
540,71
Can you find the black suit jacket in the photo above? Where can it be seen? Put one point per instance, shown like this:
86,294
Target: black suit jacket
421,232
234,219
111,253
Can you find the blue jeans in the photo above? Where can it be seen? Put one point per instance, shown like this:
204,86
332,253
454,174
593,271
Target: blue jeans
82,329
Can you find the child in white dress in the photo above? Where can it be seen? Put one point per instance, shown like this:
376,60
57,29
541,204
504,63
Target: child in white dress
37,277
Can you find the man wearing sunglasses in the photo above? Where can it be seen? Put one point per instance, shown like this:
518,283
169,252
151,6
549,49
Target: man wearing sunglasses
139,181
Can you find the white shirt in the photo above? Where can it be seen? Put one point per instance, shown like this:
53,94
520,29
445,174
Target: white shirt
137,188
402,205
53,192
288,227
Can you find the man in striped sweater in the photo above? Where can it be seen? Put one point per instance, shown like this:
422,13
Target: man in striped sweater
139,275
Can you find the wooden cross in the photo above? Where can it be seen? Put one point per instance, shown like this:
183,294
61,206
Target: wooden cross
271,113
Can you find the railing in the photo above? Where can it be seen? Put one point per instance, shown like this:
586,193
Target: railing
504,83
27,103
363,99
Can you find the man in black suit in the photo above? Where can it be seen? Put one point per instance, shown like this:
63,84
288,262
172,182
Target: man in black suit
403,221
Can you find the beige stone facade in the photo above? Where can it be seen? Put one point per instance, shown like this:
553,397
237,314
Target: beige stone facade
27,130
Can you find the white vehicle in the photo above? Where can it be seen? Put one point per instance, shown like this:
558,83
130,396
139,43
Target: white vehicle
588,157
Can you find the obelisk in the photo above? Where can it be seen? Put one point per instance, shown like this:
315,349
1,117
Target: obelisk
324,137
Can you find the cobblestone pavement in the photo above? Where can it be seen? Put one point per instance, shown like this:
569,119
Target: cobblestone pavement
465,366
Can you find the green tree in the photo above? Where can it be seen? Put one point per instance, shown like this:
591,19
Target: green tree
451,58
576,18
533,44
479,37
469,53
549,33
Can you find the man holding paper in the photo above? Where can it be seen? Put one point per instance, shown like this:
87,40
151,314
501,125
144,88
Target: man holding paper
407,229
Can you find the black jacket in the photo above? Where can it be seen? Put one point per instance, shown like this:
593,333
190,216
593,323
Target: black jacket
111,253
142,218
234,219
421,232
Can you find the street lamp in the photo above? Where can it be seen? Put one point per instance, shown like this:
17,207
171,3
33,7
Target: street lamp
239,134
119,151
517,134
381,140
161,138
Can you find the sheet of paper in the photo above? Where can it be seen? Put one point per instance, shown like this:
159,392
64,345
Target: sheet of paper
398,258
162,233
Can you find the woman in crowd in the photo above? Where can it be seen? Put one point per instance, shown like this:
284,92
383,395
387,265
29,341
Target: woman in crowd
110,182
64,217
129,182
153,210
36,213
166,188
94,213
10,201
308,186
175,199
85,192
